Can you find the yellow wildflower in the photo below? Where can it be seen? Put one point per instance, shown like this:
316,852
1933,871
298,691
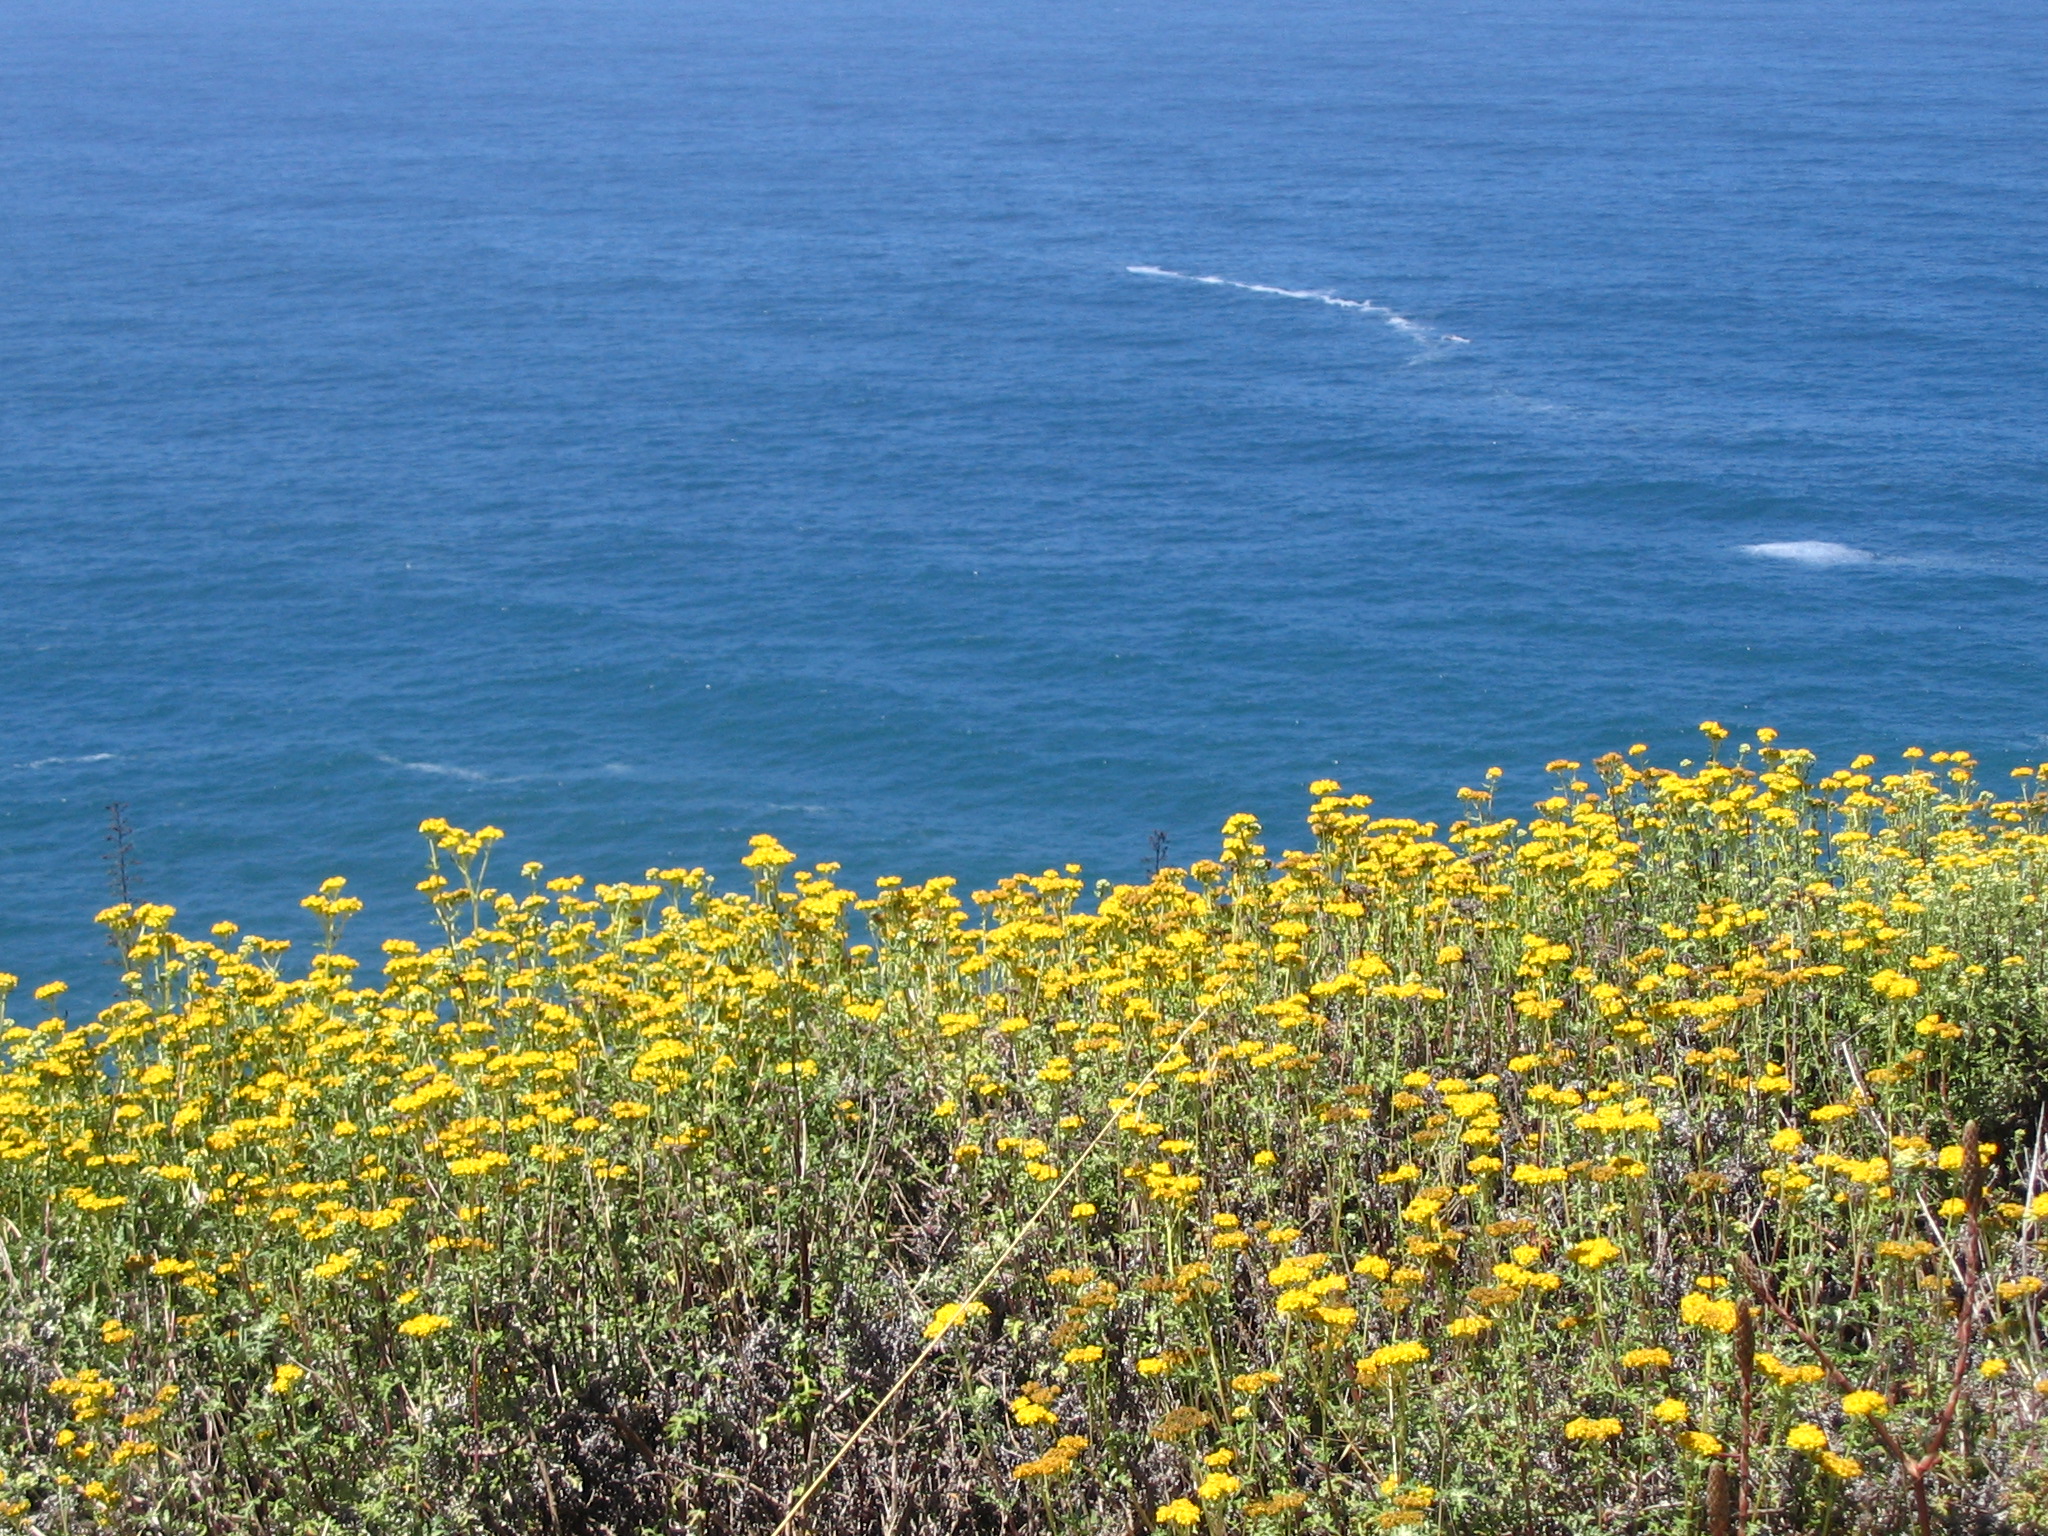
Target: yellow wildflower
1706,1312
1592,1252
1595,1430
953,1315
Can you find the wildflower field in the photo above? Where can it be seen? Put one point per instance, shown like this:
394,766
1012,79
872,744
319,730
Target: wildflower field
1666,1159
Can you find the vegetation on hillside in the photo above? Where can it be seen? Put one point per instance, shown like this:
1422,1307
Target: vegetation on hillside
1669,1160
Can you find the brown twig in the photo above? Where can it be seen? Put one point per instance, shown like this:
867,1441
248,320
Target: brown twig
1745,1369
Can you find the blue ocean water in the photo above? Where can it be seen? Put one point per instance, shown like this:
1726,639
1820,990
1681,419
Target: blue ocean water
644,424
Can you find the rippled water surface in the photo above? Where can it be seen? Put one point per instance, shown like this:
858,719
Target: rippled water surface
966,436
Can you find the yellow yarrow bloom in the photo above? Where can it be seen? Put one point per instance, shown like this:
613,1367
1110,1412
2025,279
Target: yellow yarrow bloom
1810,1438
1595,1430
1028,1412
1592,1253
1390,1357
1706,1312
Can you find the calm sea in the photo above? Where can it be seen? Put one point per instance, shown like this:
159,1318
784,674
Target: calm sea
968,436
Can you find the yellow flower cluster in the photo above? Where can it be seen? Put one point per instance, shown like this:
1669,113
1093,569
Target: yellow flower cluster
1252,1175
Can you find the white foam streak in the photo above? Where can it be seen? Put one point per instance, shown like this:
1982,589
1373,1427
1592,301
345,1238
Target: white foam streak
1421,334
439,770
53,762
1811,552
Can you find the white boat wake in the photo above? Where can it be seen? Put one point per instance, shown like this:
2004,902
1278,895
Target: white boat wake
1422,335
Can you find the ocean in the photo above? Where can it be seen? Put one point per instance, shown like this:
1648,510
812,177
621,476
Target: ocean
968,437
